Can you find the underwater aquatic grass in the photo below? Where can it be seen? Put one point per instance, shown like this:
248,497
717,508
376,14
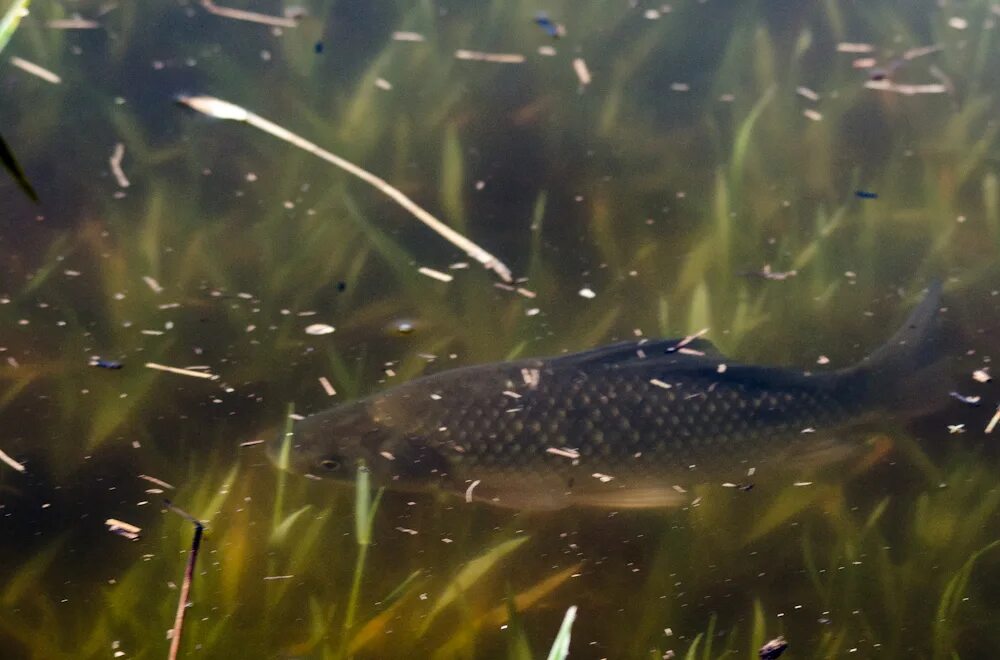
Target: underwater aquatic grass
194,233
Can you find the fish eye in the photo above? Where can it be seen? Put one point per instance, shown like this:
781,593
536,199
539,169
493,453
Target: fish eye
329,464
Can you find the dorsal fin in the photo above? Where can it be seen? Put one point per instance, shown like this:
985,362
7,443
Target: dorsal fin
629,351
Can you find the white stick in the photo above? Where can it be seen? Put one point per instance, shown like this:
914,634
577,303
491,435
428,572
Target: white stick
182,372
35,70
251,16
224,110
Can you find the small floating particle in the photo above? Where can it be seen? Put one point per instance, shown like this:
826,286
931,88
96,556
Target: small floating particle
971,400
318,329
407,530
277,577
105,364
582,72
956,428
958,23
864,63
807,93
152,284
822,359
906,90
496,58
651,14
587,293
122,528
115,163
847,47
603,478
546,51
659,383
407,36
468,491
553,29
721,368
564,452
75,23
865,194
809,113
251,443
803,483
327,387
384,84
680,87
435,274
982,375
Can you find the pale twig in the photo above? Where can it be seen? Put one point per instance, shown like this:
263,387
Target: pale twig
220,109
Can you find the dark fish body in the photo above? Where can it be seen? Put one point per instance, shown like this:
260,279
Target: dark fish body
628,425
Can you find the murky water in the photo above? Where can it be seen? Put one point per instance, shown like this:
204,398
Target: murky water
713,140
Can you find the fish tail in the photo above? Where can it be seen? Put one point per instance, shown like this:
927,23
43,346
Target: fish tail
908,371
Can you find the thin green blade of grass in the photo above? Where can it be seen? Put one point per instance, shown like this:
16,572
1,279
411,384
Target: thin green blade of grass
280,533
560,647
283,461
10,21
758,630
692,652
471,573
364,519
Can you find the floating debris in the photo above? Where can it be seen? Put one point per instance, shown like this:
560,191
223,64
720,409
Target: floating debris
75,23
497,58
564,452
122,528
220,109
971,400
906,90
407,36
553,29
35,70
318,329
847,47
251,443
116,167
773,649
920,51
582,72
993,422
603,478
383,84
158,482
865,194
468,491
807,93
766,273
659,383
249,16
152,284
6,458
587,293
958,23
814,115
327,387
105,364
182,372
268,578
982,375
435,274
546,51
956,428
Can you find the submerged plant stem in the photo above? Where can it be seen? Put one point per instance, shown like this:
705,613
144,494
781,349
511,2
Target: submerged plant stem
182,601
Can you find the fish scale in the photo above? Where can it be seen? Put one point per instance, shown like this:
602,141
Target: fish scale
626,425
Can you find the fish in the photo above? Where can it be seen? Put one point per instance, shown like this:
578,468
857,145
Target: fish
634,424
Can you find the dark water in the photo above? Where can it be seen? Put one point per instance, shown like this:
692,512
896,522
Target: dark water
685,164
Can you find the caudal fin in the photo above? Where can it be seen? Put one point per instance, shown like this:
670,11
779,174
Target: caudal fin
908,371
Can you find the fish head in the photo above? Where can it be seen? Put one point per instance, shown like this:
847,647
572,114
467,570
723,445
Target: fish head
332,445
